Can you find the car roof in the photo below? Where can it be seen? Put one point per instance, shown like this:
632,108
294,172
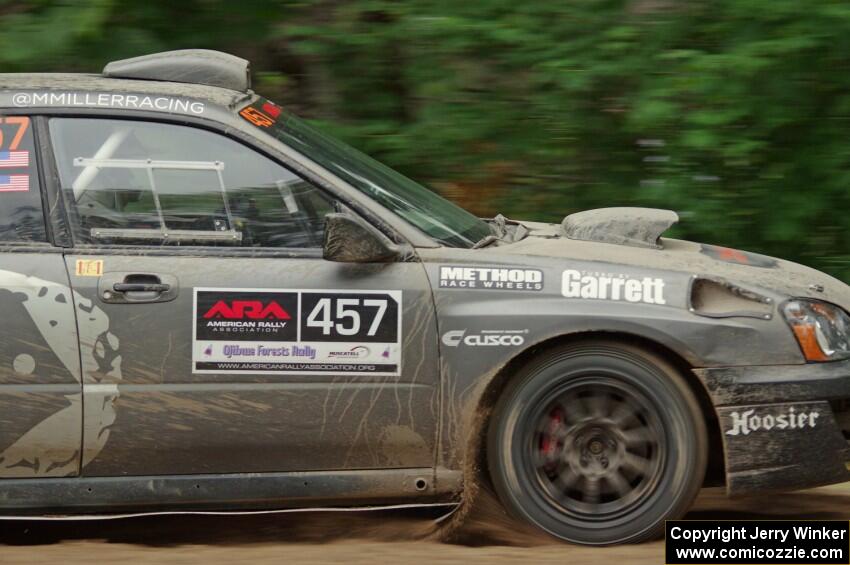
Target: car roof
98,83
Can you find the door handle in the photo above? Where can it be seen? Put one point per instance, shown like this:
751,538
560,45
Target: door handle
141,287
137,288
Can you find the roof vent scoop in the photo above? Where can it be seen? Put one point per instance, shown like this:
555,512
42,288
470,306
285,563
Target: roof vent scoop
636,227
193,66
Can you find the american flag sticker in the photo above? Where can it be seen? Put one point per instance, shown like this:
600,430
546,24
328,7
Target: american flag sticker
14,159
14,183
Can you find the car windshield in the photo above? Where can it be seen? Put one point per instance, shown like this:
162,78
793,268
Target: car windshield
443,221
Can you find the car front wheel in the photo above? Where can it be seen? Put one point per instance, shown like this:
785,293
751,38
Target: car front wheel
597,443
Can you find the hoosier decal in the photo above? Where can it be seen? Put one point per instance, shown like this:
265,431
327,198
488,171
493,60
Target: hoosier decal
297,331
748,421
491,278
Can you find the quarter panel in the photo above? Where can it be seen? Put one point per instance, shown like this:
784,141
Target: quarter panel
40,394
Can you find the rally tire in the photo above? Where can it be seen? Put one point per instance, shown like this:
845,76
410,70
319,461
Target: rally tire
597,443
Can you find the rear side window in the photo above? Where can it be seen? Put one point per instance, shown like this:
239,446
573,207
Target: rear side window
21,217
148,183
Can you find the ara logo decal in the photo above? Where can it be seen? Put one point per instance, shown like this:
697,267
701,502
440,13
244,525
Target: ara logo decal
250,309
244,317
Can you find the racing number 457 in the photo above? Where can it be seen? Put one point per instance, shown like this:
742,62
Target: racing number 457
345,318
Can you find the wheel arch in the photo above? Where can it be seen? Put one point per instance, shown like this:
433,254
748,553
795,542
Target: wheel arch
716,470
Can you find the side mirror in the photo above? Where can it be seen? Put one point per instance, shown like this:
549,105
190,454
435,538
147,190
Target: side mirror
348,239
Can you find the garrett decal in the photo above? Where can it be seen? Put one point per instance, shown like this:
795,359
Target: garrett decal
297,331
491,278
486,338
618,287
746,422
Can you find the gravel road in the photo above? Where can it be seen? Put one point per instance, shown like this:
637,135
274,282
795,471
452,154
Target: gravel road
388,536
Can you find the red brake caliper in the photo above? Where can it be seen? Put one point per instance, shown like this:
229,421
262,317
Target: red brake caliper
549,442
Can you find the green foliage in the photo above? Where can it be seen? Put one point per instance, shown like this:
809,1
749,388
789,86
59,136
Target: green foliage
736,113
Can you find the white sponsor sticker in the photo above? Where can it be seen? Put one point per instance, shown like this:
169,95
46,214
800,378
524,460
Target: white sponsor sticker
486,338
490,278
611,286
108,100
289,331
749,421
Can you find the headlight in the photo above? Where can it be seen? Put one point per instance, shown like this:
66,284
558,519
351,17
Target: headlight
822,329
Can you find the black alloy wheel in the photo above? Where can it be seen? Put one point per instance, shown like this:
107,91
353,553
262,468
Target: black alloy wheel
597,443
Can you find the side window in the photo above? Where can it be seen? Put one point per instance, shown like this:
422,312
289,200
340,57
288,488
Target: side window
131,182
21,217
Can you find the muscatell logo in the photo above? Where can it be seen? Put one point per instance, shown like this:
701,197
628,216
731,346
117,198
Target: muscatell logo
355,352
487,338
491,278
648,290
247,309
746,422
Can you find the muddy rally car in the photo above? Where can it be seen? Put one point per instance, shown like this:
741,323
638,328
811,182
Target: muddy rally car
208,304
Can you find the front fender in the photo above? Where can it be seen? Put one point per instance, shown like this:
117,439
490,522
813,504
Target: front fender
483,330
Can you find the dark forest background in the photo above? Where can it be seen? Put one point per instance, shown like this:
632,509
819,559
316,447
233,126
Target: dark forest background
735,113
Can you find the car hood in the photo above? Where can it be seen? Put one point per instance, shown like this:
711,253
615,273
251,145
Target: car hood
748,269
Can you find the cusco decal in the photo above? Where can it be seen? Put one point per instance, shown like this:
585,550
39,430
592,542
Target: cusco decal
286,331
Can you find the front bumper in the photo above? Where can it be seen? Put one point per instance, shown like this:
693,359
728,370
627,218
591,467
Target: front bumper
783,427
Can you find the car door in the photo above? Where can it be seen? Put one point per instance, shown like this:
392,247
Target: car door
40,390
232,345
